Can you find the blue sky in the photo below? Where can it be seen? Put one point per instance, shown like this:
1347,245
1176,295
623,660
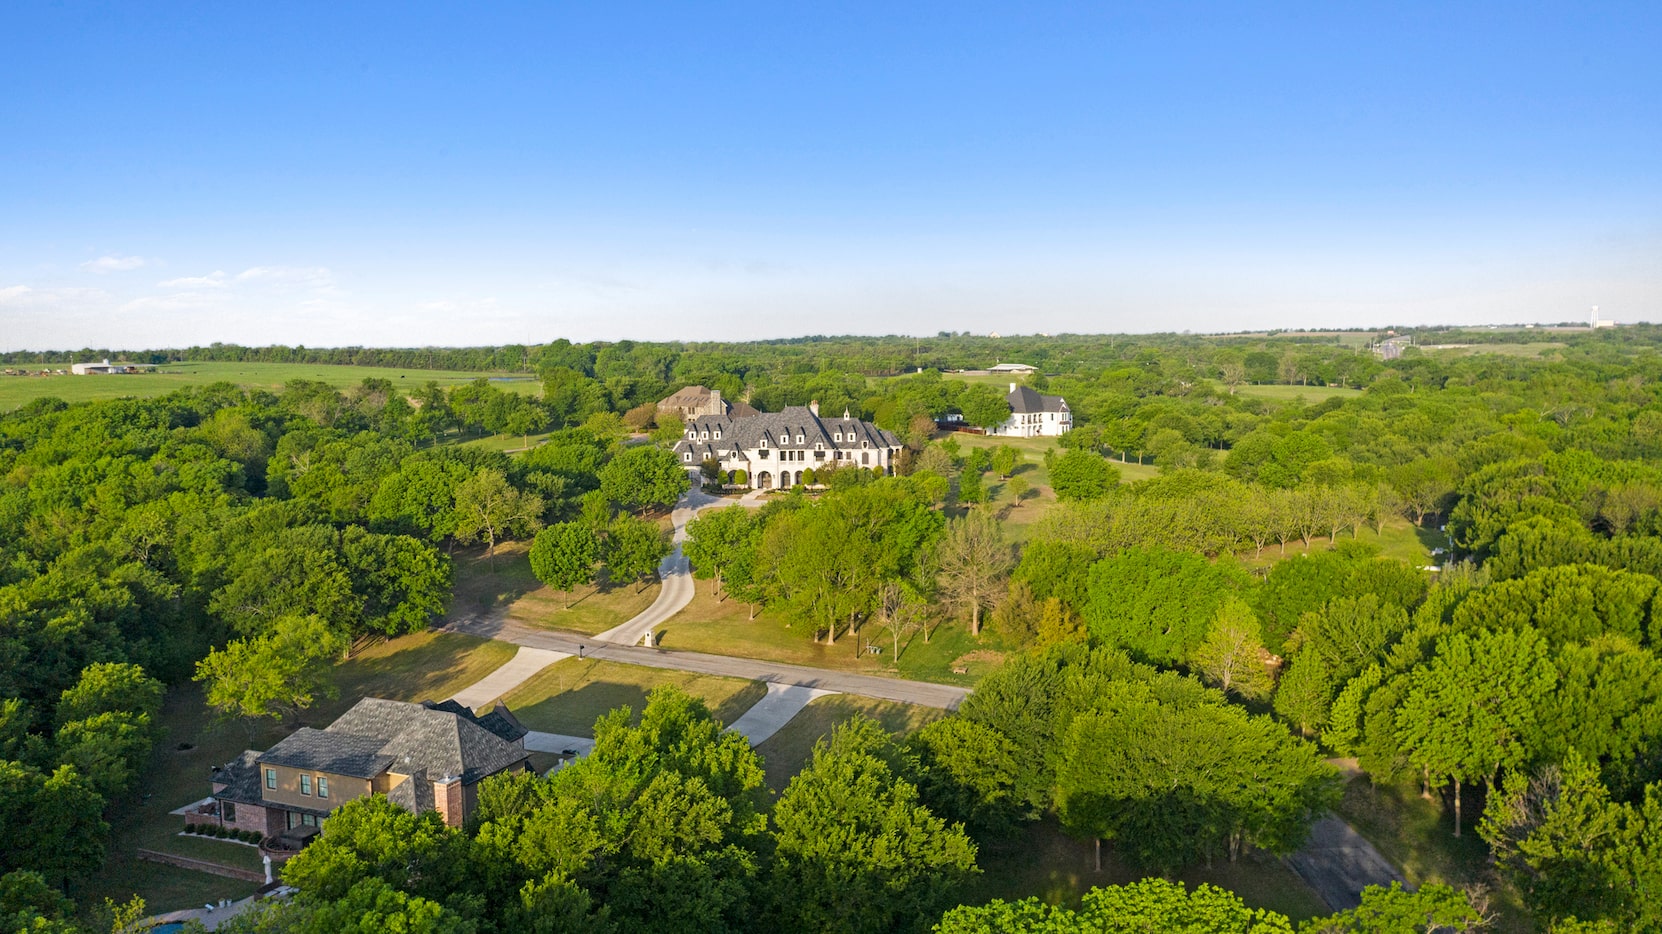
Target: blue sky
417,173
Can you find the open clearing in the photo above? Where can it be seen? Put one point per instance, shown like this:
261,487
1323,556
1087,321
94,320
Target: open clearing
568,696
786,752
505,584
1281,393
19,390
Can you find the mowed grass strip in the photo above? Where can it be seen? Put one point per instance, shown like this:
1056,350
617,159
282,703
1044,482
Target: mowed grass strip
786,752
504,584
20,390
568,696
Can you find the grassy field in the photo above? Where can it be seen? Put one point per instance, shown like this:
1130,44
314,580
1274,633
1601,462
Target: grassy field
505,584
786,752
1042,861
723,628
1310,394
567,697
1398,538
17,390
191,741
1520,349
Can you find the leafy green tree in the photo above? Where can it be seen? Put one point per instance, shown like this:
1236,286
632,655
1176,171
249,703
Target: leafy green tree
564,556
275,673
855,849
403,583
488,508
975,560
633,549
970,489
1232,654
50,823
715,540
1156,603
1082,475
1148,905
1004,460
1432,909
645,476
110,687
983,406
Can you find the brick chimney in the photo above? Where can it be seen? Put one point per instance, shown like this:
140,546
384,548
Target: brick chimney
716,408
814,407
447,800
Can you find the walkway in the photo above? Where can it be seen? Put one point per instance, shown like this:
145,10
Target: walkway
515,672
944,696
766,716
674,571
1339,863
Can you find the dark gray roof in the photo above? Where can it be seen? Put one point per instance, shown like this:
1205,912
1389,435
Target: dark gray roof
442,744
500,721
1024,400
414,794
241,777
360,756
781,431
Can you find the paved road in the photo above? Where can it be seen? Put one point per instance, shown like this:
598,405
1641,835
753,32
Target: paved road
944,696
514,672
675,572
766,716
1339,863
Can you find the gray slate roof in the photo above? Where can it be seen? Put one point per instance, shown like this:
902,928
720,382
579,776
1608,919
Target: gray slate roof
1025,400
412,739
500,721
436,742
327,751
781,430
241,777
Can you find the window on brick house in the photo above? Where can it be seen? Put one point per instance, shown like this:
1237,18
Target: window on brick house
305,784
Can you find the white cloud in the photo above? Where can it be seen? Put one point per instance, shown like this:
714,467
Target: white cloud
212,280
108,264
315,276
177,301
22,296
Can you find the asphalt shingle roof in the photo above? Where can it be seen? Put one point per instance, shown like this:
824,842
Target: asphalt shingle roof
412,739
1025,400
781,431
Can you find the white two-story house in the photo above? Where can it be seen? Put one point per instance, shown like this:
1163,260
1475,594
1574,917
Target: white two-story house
774,448
1034,415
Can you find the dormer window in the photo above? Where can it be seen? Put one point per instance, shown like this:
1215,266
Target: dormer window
705,435
839,437
718,434
764,441
800,439
819,445
865,444
692,434
687,457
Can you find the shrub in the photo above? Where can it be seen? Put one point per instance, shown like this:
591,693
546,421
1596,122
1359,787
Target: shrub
741,477
809,478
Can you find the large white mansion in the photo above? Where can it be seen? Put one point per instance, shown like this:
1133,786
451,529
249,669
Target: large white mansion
1034,414
774,448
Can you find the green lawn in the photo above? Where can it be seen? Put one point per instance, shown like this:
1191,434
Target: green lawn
191,741
1520,349
17,390
1398,538
567,696
1042,861
1310,394
505,584
723,628
786,752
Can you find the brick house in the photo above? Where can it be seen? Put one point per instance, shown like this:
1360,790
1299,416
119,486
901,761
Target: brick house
425,757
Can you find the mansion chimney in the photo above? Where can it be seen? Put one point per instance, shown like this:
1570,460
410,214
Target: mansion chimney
814,407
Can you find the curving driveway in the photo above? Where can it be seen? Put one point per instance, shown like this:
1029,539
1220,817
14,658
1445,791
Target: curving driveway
675,572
